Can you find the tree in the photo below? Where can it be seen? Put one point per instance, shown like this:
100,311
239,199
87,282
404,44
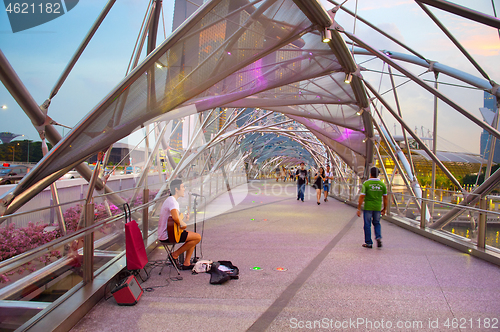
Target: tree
20,150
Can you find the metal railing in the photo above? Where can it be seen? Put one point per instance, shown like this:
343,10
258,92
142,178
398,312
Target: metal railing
94,246
478,225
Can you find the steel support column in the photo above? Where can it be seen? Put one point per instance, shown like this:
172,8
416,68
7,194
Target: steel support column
88,245
434,144
481,230
145,215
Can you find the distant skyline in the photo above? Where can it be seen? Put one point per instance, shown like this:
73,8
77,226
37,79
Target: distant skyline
40,54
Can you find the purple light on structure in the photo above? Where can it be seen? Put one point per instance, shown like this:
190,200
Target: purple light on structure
310,53
229,53
255,77
345,135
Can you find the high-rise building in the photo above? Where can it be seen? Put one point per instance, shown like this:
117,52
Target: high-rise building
183,9
489,103
176,138
211,48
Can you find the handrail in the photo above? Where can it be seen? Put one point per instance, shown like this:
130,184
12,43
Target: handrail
17,214
18,260
453,205
428,200
61,204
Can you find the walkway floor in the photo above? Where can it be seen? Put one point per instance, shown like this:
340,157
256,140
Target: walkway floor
410,284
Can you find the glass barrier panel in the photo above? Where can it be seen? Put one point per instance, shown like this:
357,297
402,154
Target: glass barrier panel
109,242
47,276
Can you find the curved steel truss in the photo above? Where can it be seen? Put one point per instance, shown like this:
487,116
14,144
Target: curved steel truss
276,79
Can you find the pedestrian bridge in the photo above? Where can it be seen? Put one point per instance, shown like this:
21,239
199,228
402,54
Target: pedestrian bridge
240,90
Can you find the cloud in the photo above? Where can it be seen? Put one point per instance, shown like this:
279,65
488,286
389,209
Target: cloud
377,5
482,45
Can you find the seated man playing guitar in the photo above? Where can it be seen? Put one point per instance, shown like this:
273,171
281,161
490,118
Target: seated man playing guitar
170,214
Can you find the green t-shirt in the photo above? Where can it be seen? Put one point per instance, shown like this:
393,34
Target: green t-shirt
373,189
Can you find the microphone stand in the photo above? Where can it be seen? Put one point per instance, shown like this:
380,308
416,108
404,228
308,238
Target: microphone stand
195,258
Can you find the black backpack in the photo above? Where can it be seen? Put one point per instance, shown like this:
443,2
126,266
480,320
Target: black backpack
219,276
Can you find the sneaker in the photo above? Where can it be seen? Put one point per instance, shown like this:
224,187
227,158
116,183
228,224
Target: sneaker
379,243
302,201
325,199
367,245
297,198
319,203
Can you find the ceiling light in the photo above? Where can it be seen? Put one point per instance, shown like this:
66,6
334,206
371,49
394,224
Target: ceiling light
4,107
361,110
348,78
326,35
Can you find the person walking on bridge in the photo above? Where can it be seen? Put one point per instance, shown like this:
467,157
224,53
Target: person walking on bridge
373,192
319,180
328,182
301,175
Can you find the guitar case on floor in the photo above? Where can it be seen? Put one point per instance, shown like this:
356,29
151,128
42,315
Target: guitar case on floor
223,271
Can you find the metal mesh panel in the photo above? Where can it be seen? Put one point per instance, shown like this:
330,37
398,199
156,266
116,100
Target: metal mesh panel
183,67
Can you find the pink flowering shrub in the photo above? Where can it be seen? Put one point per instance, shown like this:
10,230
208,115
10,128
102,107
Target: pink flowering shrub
15,241
138,200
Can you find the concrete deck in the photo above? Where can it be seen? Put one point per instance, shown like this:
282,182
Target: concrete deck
410,284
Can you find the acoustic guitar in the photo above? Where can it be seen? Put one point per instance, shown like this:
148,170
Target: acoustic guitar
173,230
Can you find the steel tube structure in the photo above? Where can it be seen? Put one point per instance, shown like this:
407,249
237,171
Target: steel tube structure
417,80
454,40
474,81
463,11
22,96
415,137
81,48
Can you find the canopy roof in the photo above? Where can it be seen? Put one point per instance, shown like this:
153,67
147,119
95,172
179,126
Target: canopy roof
266,53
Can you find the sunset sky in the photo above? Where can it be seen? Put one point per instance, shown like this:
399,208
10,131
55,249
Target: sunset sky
40,54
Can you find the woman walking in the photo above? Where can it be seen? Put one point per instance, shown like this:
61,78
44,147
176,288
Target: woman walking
319,178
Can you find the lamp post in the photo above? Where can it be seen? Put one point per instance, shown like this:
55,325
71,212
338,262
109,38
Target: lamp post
28,156
13,150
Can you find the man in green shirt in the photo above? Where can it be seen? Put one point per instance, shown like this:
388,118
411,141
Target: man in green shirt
373,192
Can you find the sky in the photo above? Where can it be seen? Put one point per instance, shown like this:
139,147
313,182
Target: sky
39,55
